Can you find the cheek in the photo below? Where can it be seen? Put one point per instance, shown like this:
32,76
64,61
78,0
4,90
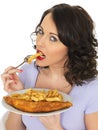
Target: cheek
55,54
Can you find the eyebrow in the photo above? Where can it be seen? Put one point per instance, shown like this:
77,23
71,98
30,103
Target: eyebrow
49,32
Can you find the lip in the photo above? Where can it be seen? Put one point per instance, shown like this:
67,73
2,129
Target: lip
40,57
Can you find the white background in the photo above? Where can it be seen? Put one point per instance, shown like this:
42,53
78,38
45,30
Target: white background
18,18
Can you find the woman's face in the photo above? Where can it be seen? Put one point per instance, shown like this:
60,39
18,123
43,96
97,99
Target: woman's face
48,43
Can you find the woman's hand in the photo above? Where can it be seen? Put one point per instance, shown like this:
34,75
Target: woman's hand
11,80
51,122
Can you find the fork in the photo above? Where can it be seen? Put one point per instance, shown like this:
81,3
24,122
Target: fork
29,58
25,60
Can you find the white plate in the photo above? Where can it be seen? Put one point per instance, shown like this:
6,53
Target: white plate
12,109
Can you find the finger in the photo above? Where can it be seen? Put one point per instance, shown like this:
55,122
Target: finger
9,85
13,71
5,76
10,89
8,68
10,74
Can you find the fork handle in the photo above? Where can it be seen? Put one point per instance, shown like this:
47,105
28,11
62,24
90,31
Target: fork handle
20,64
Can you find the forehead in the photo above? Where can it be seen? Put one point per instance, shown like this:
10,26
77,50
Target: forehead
48,24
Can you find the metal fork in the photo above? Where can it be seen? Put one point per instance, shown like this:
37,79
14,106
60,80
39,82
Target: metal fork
29,58
25,60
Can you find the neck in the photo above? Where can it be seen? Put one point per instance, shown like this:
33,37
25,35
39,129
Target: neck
57,70
54,71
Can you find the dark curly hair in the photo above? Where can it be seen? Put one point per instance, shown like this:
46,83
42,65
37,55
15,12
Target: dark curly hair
76,31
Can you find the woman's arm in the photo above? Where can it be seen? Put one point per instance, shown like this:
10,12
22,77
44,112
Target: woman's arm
14,122
91,121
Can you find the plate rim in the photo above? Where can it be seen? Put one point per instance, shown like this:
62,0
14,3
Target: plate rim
12,109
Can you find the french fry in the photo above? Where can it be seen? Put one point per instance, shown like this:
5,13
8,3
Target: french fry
39,95
37,101
32,57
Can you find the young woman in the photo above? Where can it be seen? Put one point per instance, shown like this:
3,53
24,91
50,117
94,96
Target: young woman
65,38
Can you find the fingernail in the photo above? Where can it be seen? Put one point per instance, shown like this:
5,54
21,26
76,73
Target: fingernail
15,82
11,77
21,70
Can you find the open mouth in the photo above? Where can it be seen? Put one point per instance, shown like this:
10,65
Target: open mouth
42,56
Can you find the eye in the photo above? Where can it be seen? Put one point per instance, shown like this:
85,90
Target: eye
39,31
53,39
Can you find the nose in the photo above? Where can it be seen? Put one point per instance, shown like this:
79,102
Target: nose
40,41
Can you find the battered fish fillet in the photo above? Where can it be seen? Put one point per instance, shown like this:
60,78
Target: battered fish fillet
33,106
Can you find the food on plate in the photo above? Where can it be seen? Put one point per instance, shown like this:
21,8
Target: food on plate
34,100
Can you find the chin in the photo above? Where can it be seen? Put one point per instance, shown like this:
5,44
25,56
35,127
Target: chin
41,64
